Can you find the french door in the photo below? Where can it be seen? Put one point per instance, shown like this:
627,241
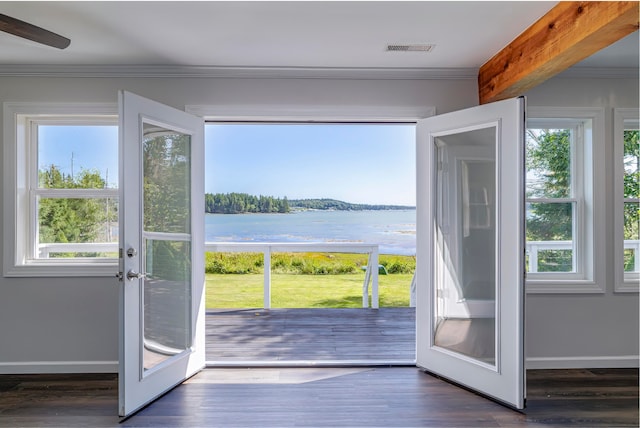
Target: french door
161,249
470,248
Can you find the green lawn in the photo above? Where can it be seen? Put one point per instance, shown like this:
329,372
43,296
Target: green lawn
303,291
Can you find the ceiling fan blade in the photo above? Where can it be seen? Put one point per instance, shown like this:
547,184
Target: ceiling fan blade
29,31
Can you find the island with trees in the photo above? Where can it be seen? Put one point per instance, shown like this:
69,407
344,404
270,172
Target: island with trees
238,203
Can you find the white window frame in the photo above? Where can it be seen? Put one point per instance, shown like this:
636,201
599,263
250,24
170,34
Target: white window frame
625,282
588,180
20,187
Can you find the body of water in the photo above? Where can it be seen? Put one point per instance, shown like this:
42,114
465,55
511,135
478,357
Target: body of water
393,230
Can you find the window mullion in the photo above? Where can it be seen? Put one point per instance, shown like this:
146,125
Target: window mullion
32,185
577,193
551,200
76,193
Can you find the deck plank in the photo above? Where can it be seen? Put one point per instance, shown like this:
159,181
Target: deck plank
310,334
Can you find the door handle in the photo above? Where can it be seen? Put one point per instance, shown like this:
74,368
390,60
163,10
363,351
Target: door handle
131,275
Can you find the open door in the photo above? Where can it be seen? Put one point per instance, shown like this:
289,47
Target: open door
470,249
162,333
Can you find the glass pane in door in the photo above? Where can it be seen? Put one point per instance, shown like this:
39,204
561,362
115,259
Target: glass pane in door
167,248
465,254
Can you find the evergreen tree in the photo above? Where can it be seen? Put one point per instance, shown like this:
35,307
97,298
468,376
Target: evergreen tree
166,201
73,220
631,190
549,158
237,203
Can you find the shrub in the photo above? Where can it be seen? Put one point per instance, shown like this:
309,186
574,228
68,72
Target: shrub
398,264
303,263
237,263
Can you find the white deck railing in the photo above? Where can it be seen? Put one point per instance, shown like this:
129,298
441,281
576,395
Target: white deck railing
371,273
634,245
535,247
45,250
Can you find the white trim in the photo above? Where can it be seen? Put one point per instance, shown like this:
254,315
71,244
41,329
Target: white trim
579,362
137,386
600,73
311,113
505,380
37,367
107,71
229,72
60,109
556,286
624,282
593,278
15,182
307,363
532,363
630,286
93,193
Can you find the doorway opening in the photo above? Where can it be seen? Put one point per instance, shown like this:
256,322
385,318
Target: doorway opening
300,220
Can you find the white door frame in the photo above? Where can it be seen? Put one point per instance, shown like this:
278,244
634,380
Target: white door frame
504,380
137,386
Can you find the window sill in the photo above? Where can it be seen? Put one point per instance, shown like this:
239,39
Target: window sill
556,286
628,286
38,269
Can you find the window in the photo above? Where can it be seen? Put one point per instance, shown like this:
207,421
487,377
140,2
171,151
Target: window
561,191
627,199
61,161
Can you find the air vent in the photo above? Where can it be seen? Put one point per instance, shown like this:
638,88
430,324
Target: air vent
411,48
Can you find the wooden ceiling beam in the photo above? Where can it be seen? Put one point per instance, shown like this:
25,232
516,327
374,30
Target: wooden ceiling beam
567,34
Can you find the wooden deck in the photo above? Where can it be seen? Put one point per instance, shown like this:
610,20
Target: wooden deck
305,336
323,397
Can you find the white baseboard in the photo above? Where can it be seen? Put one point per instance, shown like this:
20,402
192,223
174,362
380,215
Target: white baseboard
612,362
32,367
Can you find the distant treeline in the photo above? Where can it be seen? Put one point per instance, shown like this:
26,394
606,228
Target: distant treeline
332,204
238,203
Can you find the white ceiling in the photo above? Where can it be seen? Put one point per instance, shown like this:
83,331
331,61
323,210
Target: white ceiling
300,34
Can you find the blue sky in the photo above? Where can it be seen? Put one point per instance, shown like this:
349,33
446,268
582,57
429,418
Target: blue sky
357,163
92,147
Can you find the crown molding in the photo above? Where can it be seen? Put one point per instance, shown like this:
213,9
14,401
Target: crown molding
311,113
375,73
600,73
48,70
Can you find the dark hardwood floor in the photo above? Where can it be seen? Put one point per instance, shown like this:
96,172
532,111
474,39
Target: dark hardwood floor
381,396
323,397
278,335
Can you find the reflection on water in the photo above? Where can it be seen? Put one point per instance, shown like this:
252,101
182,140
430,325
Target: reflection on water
393,230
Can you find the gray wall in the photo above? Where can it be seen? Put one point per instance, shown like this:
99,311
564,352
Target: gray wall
586,330
71,324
